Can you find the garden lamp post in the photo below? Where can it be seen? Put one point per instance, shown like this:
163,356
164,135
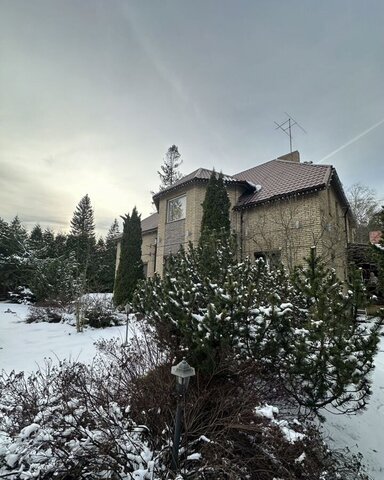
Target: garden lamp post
183,372
127,310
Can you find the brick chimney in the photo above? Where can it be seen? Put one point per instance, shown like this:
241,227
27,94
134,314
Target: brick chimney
291,157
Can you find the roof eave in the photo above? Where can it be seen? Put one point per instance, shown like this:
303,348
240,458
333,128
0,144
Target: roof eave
280,197
156,198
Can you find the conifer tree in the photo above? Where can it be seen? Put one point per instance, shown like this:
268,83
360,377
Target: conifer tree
216,207
60,247
4,254
16,256
215,224
304,333
49,243
18,237
55,278
36,241
130,269
169,172
110,256
4,238
328,356
82,238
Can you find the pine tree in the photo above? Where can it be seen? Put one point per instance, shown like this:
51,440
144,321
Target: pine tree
49,243
60,246
82,238
55,279
110,256
303,334
36,241
18,237
16,259
99,266
328,356
130,269
169,172
4,257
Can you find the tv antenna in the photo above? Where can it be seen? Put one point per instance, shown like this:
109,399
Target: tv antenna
286,127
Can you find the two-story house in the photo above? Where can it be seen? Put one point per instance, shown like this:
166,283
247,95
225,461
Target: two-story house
279,210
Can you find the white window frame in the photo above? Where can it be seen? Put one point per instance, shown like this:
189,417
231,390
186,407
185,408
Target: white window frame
184,205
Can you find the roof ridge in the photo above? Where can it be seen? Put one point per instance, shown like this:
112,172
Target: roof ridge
251,168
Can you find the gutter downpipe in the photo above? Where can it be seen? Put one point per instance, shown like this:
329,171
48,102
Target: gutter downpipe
241,233
154,261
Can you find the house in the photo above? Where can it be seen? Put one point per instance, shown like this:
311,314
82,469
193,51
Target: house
279,210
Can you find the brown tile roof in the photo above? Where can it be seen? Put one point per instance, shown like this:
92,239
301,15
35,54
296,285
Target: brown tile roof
201,174
269,181
279,178
147,224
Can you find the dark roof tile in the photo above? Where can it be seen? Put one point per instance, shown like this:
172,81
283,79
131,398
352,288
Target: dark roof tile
150,223
278,178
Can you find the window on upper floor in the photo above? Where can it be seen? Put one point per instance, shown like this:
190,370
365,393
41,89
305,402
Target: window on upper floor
176,208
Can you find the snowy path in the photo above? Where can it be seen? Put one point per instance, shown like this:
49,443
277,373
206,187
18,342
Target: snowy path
24,347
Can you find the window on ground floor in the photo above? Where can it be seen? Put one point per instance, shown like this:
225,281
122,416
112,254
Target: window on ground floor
271,257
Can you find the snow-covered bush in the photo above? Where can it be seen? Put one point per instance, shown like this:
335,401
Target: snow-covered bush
22,294
99,312
303,332
114,420
71,421
48,314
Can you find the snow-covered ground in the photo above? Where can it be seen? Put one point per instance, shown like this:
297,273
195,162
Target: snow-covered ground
364,432
25,346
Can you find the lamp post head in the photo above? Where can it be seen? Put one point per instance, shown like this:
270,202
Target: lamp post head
183,372
127,308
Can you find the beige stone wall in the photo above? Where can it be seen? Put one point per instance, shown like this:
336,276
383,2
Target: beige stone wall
286,228
336,232
289,228
189,230
148,250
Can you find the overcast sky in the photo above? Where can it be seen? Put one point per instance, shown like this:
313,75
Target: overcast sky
92,94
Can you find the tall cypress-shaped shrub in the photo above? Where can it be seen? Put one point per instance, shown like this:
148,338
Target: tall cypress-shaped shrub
215,224
130,269
216,207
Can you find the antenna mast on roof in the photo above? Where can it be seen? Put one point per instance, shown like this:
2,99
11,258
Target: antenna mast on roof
286,127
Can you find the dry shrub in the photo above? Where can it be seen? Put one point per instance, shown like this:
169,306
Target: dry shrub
115,418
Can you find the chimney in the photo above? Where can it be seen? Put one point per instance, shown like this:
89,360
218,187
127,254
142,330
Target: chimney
291,157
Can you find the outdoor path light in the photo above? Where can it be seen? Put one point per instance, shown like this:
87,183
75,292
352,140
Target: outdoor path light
183,372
